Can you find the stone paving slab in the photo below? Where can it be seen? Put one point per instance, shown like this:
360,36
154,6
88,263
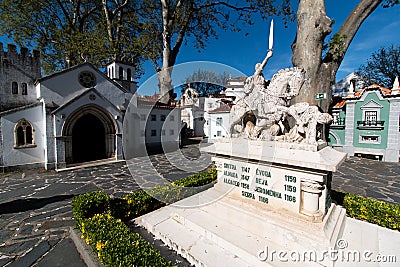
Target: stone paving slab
369,178
35,205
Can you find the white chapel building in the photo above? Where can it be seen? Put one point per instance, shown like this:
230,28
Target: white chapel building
72,116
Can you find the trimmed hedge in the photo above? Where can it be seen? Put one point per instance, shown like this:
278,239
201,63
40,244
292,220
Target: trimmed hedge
87,205
370,210
116,245
99,218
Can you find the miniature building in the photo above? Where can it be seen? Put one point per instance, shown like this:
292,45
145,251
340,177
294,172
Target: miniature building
209,116
235,87
18,72
73,116
366,123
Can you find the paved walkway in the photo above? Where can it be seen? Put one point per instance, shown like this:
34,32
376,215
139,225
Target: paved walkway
35,207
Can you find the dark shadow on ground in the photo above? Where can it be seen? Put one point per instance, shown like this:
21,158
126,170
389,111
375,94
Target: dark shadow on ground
21,205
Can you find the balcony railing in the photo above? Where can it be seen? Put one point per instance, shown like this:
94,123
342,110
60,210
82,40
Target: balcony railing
339,123
378,125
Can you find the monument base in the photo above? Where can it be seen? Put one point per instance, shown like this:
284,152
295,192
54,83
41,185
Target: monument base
271,202
215,229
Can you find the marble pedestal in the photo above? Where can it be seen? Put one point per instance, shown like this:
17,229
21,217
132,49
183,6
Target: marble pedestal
270,201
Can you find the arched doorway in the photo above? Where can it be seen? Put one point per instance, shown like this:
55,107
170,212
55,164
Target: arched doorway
89,135
88,139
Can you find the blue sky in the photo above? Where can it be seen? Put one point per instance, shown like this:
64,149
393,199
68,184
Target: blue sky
237,54
380,29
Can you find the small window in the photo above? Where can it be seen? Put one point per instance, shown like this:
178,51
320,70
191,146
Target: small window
23,134
129,75
153,117
24,89
14,88
219,121
219,133
121,73
153,133
162,117
162,132
370,139
142,117
172,118
171,132
371,115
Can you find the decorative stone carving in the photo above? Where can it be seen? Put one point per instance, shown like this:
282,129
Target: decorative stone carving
307,117
190,97
269,105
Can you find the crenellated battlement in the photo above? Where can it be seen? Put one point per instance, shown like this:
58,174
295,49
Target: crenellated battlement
28,61
18,72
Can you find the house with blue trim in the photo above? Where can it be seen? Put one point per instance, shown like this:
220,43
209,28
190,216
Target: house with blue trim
366,123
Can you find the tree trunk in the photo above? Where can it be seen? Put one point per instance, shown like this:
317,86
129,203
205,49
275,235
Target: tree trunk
312,28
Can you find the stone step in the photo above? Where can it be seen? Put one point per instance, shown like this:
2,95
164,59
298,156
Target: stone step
195,247
210,224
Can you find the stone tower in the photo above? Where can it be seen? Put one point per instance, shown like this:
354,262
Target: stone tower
18,73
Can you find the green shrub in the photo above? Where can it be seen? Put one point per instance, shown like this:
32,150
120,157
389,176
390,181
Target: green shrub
373,211
86,205
95,214
141,202
116,245
196,180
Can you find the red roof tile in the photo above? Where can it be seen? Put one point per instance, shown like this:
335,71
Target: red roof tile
340,104
222,108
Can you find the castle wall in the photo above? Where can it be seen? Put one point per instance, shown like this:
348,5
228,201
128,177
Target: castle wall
23,68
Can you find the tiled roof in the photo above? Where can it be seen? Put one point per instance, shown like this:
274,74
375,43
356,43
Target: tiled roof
237,79
384,91
152,101
340,104
221,109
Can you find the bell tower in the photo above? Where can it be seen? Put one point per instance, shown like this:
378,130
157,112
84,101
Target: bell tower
123,74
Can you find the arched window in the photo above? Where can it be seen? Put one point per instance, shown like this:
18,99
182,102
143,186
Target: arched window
23,134
14,88
24,89
121,73
129,75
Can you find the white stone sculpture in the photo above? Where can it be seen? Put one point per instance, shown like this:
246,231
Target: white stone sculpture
269,104
190,96
307,117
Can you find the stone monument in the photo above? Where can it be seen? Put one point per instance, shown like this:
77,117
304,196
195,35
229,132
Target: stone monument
272,193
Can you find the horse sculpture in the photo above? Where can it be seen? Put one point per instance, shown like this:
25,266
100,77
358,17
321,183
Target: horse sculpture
267,103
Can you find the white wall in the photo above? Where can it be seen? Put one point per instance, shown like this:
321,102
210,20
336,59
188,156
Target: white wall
63,86
218,131
23,156
165,131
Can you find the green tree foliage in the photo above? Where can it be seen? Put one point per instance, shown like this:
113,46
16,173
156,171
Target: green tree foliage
205,82
67,32
382,67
